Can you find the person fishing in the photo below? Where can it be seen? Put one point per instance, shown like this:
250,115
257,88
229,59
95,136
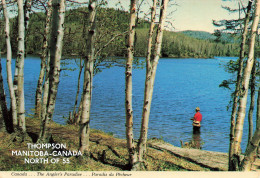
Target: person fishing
196,121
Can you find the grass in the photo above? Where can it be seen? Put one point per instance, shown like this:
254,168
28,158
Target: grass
106,152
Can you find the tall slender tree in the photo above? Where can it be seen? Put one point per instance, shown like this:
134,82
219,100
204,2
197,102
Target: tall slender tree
56,45
44,56
238,83
74,114
20,69
251,151
27,9
148,85
244,93
252,102
88,80
151,67
9,68
45,98
128,85
137,155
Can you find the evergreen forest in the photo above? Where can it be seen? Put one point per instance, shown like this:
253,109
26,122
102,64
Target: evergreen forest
113,23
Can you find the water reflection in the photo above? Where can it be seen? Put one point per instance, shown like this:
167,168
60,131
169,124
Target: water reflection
196,140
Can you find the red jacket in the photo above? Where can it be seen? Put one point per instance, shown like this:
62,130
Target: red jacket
198,116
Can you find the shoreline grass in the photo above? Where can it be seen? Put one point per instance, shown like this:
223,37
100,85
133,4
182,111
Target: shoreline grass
107,153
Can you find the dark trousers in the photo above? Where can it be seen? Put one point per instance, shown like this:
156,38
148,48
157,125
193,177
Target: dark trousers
196,130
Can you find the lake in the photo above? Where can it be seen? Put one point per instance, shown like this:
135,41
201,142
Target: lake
181,85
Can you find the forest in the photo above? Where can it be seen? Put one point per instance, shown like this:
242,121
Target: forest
94,33
175,44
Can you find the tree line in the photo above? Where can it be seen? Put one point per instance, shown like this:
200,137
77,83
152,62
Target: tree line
175,44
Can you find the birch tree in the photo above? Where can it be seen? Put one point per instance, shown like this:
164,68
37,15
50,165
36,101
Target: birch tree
74,114
252,102
238,84
151,67
54,73
88,81
20,69
137,155
9,68
245,85
143,131
251,151
44,55
45,98
128,85
104,39
24,8
27,9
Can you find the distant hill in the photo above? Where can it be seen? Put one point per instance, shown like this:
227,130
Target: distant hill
114,22
225,38
199,34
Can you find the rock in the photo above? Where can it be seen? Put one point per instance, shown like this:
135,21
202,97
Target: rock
215,161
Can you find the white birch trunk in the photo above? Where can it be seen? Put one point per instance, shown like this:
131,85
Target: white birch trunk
149,82
252,102
20,66
9,68
39,90
251,150
148,85
80,107
55,57
88,81
27,10
238,84
245,83
128,90
45,97
74,115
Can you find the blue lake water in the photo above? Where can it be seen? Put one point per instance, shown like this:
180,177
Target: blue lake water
181,85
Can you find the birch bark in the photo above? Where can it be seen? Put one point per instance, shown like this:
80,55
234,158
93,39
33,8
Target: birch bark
75,116
128,85
251,151
252,103
55,57
245,85
149,68
88,81
9,68
149,82
39,89
20,69
238,84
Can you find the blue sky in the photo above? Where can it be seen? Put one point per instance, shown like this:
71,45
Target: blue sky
195,14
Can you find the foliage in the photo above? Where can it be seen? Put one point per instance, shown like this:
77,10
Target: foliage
199,34
112,23
183,46
224,37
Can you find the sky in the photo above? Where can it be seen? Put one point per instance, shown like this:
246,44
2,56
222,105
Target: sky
194,14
